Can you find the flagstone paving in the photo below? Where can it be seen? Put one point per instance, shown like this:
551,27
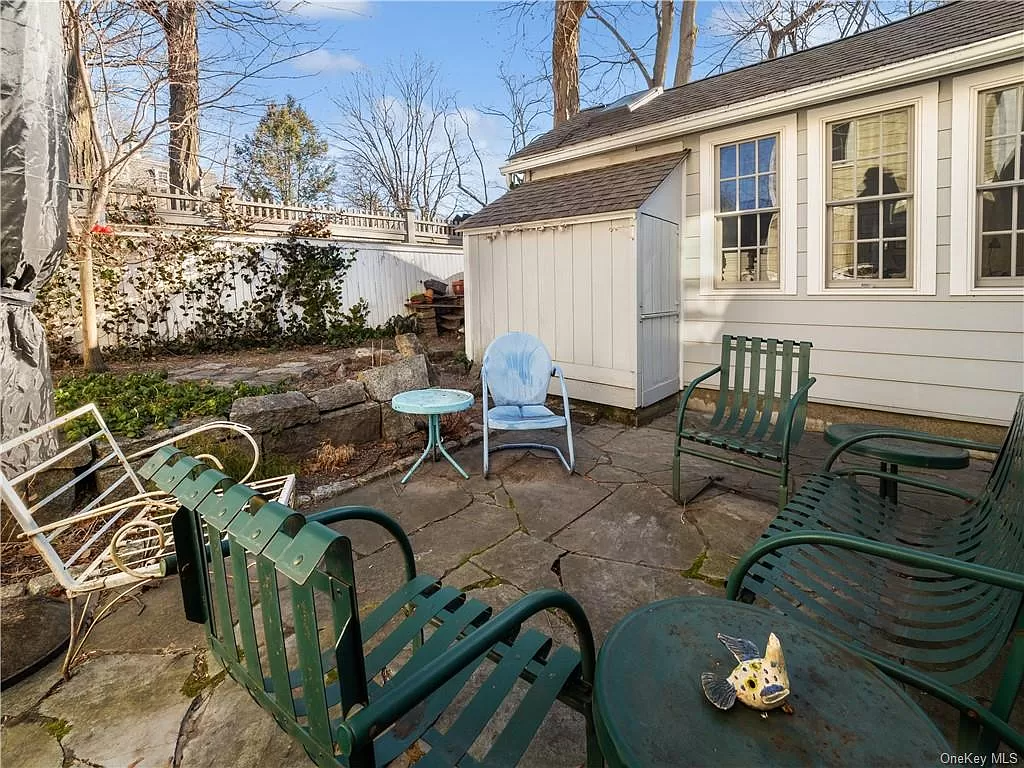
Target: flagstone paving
610,534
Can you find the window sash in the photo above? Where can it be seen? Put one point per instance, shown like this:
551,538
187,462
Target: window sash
769,172
874,160
1009,238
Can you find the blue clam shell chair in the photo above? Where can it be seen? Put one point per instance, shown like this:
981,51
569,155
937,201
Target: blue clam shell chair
516,371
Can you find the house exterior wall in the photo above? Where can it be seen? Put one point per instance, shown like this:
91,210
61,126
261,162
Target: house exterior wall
932,355
573,285
926,352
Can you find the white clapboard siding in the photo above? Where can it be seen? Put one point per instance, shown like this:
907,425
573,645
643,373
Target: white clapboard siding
959,357
574,287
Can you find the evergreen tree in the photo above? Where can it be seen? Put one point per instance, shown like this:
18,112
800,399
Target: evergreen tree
285,159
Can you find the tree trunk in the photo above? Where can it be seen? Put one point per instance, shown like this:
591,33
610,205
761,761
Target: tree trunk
92,358
182,35
665,14
82,158
565,58
687,42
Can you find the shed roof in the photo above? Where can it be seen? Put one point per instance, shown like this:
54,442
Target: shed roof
949,26
621,187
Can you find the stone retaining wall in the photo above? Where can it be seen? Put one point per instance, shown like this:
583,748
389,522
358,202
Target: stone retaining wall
352,412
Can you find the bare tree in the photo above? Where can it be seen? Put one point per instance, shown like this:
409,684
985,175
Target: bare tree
526,102
119,81
393,126
359,189
565,58
755,30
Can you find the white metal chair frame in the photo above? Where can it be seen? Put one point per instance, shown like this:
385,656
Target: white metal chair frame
141,522
525,423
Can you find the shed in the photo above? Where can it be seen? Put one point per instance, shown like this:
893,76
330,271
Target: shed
588,262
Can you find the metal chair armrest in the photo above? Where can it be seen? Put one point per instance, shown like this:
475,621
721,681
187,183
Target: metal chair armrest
899,553
371,515
907,480
919,437
394,703
689,391
786,417
557,371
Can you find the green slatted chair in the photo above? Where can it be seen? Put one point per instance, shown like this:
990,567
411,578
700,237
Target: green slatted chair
360,692
759,379
932,597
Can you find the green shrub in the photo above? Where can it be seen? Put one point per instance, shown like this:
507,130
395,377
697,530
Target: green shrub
136,402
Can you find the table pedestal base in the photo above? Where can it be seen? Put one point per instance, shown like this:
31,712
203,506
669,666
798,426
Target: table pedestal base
434,442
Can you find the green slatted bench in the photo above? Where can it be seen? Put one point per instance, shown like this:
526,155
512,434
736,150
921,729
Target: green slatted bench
932,597
759,379
360,692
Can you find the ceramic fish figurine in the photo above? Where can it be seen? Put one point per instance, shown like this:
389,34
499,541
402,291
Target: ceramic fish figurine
759,682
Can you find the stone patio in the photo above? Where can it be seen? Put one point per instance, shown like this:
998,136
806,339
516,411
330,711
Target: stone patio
610,534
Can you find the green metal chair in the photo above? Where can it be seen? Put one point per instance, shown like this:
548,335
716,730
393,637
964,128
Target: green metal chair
932,598
359,692
758,379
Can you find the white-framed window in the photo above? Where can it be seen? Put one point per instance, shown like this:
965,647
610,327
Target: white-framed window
748,215
871,193
987,180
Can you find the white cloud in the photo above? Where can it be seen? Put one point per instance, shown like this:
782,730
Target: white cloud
319,9
327,61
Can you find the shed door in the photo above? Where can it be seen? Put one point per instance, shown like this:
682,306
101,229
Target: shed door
658,257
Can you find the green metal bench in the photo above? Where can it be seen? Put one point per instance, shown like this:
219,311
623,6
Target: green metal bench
758,378
360,692
932,598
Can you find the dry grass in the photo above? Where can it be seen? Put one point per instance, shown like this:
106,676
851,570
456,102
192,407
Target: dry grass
454,426
328,458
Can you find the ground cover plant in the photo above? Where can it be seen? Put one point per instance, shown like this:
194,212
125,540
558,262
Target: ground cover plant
135,403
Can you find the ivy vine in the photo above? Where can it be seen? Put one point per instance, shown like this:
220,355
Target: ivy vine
186,291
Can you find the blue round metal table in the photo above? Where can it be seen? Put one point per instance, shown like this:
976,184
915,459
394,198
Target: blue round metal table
432,403
650,710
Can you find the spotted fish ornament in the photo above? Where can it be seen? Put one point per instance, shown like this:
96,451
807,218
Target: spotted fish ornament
759,682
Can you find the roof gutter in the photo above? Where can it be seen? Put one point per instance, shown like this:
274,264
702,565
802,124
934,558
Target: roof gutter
991,51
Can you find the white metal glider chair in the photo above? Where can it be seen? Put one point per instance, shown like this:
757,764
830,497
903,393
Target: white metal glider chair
87,513
516,371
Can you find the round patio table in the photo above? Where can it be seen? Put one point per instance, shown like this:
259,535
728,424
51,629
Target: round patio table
432,403
650,709
893,452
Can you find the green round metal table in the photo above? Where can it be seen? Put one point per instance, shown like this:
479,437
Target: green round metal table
650,709
893,452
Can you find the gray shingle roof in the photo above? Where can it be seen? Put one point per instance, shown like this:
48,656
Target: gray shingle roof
621,187
949,26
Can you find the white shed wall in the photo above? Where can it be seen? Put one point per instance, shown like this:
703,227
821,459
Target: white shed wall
573,285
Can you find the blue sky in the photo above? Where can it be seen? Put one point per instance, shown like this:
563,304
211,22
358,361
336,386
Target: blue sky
468,41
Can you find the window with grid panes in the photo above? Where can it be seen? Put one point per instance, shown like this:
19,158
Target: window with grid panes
747,213
1000,190
869,199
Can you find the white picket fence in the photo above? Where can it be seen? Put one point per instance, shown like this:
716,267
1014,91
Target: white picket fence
384,274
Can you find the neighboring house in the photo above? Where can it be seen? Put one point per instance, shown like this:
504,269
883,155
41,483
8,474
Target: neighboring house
153,174
865,195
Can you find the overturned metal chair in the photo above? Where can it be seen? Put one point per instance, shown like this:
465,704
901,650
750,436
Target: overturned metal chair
360,691
87,513
516,372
